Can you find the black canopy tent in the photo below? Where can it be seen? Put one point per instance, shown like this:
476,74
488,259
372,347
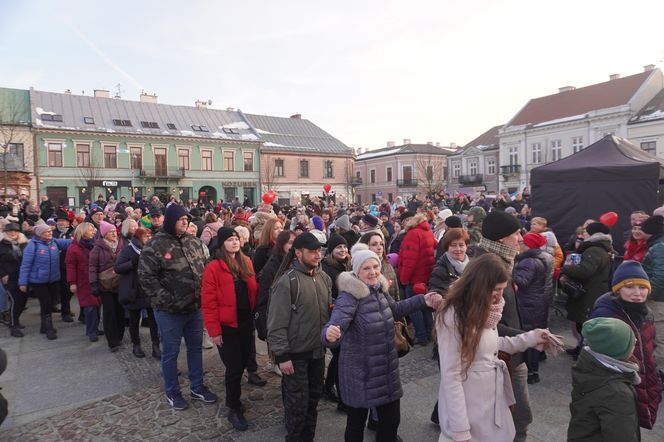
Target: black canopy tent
609,175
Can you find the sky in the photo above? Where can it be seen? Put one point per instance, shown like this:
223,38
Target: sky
365,71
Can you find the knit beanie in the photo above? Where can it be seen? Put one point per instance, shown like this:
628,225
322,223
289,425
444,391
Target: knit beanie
360,257
224,233
629,273
593,228
343,222
370,220
40,229
105,227
173,213
453,222
609,336
444,214
318,223
12,227
479,214
405,215
653,225
534,240
335,241
498,225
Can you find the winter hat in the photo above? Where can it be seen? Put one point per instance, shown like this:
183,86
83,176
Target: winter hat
306,240
62,215
173,214
335,241
159,212
453,222
393,259
498,225
12,227
360,256
243,232
240,215
195,212
51,222
405,215
444,214
478,214
343,222
511,210
318,223
40,229
593,228
370,220
609,336
226,232
105,227
628,273
534,240
653,225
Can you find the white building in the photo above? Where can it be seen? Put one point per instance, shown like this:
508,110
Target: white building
646,129
475,167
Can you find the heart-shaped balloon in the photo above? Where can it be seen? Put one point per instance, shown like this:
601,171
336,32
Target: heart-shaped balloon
609,219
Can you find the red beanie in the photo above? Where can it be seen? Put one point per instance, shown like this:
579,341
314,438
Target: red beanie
534,240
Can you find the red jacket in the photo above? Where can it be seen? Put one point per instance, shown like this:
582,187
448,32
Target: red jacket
77,262
218,296
416,255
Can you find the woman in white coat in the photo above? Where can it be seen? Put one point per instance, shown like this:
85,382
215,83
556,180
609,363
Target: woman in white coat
475,388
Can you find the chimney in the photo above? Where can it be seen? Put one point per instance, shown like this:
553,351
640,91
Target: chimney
230,109
648,67
614,77
296,116
148,98
429,143
406,141
453,145
391,144
437,144
201,104
566,89
102,93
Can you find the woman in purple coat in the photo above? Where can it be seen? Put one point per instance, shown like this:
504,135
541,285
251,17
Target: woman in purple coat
362,325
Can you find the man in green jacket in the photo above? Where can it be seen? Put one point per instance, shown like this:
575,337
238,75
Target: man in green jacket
653,264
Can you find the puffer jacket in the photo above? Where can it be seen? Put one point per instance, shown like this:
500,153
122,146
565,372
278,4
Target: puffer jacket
210,231
603,404
648,391
41,261
78,263
443,275
10,261
416,256
170,272
653,264
130,293
102,258
593,272
368,361
532,296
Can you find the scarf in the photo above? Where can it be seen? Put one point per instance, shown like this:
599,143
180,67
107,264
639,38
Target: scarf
87,243
17,250
136,249
459,266
636,311
495,313
506,253
597,237
112,245
616,365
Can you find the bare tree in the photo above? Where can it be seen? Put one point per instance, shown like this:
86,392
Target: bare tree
9,126
268,173
89,168
430,174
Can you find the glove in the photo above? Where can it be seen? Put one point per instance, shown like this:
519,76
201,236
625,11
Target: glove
94,286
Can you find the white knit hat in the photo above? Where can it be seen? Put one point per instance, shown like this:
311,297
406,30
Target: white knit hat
360,253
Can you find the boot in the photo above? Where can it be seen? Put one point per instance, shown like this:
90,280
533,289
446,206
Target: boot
156,352
138,351
51,332
16,332
66,317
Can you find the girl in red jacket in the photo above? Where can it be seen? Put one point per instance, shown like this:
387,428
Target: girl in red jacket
228,302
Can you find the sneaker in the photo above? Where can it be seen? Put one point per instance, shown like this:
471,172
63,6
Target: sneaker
330,394
115,349
256,380
138,351
203,394
533,378
16,332
177,402
100,332
93,338
67,318
237,419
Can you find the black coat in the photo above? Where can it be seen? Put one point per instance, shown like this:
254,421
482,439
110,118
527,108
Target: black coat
261,256
443,275
532,296
265,279
333,269
130,293
10,262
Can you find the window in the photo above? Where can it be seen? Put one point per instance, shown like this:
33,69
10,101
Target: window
389,197
51,117
577,144
537,153
358,174
183,159
456,169
88,120
556,150
206,160
55,154
82,155
329,169
279,167
473,167
514,155
429,173
407,172
248,161
15,158
110,157
126,123
304,168
231,130
160,162
650,147
491,166
388,172
136,157
372,176
229,161
149,124
199,128
171,126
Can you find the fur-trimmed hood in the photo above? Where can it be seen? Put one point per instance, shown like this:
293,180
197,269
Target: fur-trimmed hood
351,284
416,221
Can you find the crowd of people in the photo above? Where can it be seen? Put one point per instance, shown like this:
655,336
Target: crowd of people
475,277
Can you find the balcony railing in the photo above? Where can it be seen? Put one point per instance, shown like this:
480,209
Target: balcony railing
470,180
13,164
512,169
408,182
163,172
356,181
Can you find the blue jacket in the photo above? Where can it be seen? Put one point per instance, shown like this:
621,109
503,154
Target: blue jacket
368,361
41,261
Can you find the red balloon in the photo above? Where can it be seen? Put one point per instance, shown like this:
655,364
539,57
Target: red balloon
327,188
609,219
269,197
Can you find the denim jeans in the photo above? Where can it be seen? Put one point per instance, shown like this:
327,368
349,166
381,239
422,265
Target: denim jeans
91,321
422,319
172,328
3,298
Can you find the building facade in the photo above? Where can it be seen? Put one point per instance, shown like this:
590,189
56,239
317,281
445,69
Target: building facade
404,170
646,129
16,144
553,127
475,168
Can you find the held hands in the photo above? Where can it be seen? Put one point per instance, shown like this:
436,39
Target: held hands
433,300
5,279
217,340
287,368
73,288
23,288
333,333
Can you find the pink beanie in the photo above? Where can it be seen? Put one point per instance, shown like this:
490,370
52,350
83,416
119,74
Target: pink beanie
105,227
40,229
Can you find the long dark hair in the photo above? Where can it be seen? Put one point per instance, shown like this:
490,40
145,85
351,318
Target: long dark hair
282,239
470,296
240,266
366,239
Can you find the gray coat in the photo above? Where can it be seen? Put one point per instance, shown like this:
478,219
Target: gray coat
368,361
